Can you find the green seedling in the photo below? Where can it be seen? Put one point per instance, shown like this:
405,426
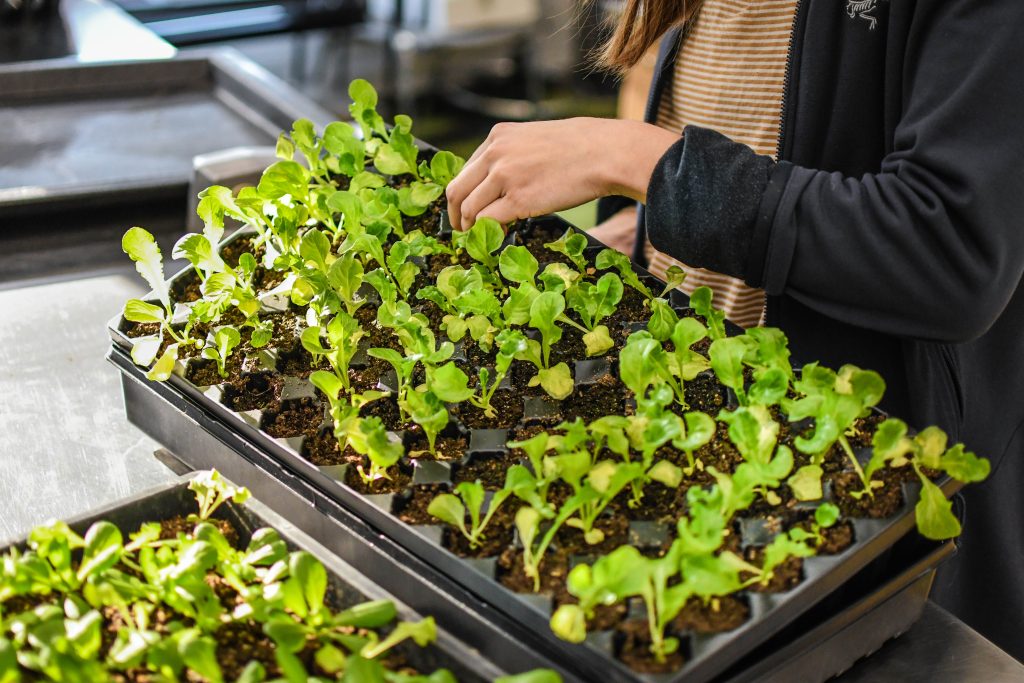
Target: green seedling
700,302
219,346
469,498
370,438
571,245
593,303
343,335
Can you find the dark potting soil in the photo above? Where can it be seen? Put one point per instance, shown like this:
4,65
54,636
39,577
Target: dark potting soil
784,577
411,505
704,393
478,358
632,308
553,570
323,450
718,615
298,417
616,533
447,448
569,348
296,362
429,221
387,410
508,409
497,536
659,503
488,469
606,396
633,648
885,501
255,391
521,374
398,479
170,528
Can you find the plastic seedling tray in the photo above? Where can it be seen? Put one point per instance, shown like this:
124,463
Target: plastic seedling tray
706,657
347,586
88,135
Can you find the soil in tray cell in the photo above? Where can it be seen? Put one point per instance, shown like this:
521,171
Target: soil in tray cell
447,448
614,527
256,391
411,505
323,450
496,537
398,479
569,348
837,538
298,417
633,647
885,501
716,616
784,577
606,396
554,568
705,394
508,409
489,470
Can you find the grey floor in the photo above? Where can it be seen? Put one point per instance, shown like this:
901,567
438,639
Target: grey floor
65,446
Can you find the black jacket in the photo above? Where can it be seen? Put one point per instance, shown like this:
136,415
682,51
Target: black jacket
890,235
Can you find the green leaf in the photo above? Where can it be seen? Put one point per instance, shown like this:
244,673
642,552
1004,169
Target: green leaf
450,384
964,466
806,483
665,472
141,247
364,108
449,509
315,247
556,381
569,623
422,633
200,252
727,361
200,654
372,614
517,264
598,341
935,518
571,244
287,634
535,676
163,368
312,577
444,166
483,239
327,382
139,311
544,312
826,515
103,545
363,670
284,178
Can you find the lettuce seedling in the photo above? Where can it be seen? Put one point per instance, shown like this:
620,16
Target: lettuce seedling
663,319
604,481
142,248
346,153
219,346
364,109
927,450
825,517
700,302
610,259
371,439
511,343
343,335
212,491
442,169
344,407
571,245
483,240
426,410
835,401
593,303
469,305
755,435
468,498
643,364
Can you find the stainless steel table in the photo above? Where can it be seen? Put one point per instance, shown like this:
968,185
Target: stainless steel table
65,447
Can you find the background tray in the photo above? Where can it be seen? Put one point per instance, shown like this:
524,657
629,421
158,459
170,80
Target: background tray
110,133
346,585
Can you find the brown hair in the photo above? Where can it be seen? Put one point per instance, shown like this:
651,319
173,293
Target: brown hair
641,25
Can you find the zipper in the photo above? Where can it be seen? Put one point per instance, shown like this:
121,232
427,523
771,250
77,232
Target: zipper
784,112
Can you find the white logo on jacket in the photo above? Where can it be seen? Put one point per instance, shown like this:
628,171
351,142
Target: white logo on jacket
865,9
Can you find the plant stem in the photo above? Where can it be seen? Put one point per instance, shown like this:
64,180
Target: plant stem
856,464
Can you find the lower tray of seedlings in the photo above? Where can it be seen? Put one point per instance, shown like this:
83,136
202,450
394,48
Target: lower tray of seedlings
531,412
174,586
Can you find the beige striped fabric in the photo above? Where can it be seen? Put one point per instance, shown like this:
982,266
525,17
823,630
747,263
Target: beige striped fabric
729,77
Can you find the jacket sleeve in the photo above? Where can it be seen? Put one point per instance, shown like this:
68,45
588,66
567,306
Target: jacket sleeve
929,247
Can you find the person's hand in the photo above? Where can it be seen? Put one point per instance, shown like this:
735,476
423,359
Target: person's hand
531,169
618,232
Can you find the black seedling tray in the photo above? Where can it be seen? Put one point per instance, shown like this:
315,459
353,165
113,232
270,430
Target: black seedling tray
707,656
88,135
201,441
347,586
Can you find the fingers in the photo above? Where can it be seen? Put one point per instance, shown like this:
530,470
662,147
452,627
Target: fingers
503,210
473,173
484,194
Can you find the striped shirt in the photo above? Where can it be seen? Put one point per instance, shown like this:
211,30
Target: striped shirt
729,77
